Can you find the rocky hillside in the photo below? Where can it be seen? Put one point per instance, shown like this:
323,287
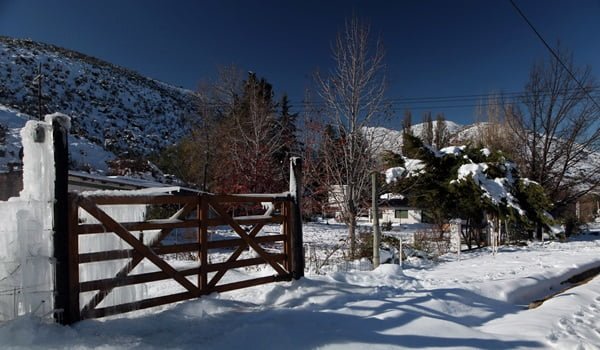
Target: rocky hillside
114,111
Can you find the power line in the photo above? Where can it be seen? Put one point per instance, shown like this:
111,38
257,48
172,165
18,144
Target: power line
478,97
510,96
448,103
444,102
554,54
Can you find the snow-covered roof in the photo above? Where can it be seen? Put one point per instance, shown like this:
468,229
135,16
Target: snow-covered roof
81,181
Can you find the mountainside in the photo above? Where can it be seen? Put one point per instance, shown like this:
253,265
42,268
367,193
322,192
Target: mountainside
451,127
114,112
391,140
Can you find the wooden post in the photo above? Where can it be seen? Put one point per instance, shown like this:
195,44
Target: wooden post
286,210
375,216
296,214
73,256
65,299
203,210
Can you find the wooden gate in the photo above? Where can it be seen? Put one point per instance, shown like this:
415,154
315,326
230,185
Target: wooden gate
76,299
146,241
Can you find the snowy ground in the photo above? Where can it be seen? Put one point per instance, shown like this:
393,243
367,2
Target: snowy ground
479,301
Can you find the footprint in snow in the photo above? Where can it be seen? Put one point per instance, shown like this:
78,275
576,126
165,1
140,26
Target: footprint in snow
552,337
566,325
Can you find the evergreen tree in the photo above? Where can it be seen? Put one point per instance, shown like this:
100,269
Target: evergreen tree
391,159
414,147
536,203
290,145
497,190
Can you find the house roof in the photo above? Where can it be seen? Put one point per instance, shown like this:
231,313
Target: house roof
80,181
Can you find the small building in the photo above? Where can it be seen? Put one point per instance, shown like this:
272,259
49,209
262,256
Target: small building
396,209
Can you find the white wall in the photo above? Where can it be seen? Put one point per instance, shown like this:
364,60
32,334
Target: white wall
27,269
26,246
389,215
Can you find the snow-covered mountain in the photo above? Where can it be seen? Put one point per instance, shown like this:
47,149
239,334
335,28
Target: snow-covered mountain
385,139
452,127
114,111
470,132
391,140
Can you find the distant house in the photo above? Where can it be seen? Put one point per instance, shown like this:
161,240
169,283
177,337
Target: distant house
396,209
335,198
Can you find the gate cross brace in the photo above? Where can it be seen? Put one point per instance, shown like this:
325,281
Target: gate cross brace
145,251
233,257
137,258
240,231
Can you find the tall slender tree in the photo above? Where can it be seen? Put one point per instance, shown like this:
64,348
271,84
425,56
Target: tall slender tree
441,136
353,95
407,122
427,131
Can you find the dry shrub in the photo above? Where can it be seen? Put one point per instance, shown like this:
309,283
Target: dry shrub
431,242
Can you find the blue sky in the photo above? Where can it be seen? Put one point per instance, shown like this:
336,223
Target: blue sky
434,48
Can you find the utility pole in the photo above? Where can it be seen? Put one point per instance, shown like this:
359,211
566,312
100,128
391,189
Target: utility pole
38,78
375,216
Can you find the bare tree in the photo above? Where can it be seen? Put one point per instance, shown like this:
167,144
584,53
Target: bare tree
256,136
353,95
217,100
556,123
493,129
315,190
234,140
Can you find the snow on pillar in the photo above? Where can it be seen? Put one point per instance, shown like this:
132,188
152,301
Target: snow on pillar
26,244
